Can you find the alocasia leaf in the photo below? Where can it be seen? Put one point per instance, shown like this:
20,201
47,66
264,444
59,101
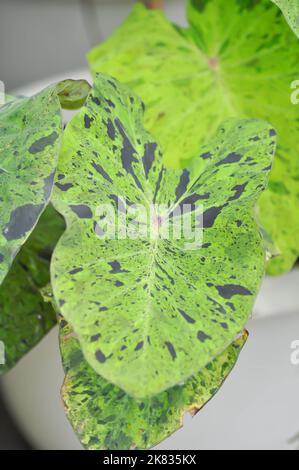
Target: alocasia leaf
105,417
24,317
30,134
237,58
290,9
148,311
30,138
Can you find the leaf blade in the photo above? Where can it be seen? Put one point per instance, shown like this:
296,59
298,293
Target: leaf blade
30,133
163,311
106,418
290,9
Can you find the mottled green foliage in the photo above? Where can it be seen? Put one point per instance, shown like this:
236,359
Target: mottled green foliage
148,312
105,417
237,58
24,317
72,93
30,134
290,9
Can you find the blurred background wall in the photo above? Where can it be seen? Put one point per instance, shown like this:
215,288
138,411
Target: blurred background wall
41,38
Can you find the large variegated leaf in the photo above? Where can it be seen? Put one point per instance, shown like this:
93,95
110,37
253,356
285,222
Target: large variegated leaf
24,317
105,417
237,58
150,313
290,9
30,134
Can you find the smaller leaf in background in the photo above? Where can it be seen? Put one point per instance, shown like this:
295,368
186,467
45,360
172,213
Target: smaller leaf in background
236,58
30,135
24,316
72,93
105,417
290,9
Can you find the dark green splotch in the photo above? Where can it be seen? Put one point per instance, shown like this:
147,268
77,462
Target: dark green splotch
41,144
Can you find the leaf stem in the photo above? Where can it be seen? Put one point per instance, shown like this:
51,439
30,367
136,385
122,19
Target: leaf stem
153,4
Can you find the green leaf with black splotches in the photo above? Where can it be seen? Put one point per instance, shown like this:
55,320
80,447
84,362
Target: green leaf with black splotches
105,417
148,310
30,135
290,9
30,138
237,58
24,317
